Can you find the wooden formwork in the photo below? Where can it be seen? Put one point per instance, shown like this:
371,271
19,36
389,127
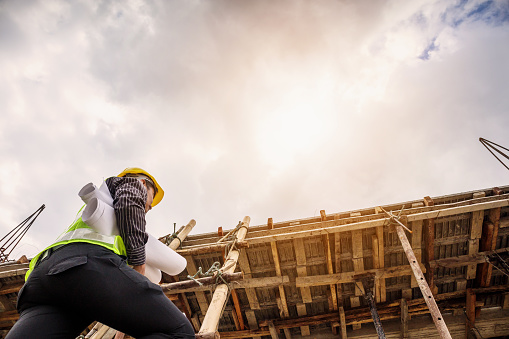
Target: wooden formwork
303,277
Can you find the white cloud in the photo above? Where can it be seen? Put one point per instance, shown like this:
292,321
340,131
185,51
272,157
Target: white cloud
270,109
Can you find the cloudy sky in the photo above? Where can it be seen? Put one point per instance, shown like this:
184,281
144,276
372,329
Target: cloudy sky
262,108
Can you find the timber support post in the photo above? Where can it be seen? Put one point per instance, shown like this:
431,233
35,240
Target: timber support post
211,321
440,324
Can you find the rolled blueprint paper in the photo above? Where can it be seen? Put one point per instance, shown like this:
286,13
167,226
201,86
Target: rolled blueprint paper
100,217
90,191
87,192
164,258
153,274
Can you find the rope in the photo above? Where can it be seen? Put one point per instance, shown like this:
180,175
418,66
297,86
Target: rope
174,235
231,238
473,326
213,270
489,262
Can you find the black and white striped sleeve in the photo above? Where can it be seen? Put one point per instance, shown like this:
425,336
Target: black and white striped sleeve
129,198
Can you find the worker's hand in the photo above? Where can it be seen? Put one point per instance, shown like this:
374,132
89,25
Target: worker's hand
140,269
119,335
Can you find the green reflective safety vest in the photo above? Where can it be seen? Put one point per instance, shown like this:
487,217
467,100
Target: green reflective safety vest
81,232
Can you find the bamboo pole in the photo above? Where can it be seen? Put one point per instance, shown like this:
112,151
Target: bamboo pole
211,321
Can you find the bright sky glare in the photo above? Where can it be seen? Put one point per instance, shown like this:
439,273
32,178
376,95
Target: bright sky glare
262,108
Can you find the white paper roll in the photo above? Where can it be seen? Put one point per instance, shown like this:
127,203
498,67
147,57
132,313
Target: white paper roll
164,258
87,192
103,193
100,217
153,274
90,191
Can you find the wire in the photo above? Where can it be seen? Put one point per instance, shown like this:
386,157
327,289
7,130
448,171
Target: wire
16,234
487,143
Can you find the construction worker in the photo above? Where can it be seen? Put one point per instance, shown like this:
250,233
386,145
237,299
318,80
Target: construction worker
83,277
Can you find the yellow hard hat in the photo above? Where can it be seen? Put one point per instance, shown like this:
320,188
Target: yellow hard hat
135,170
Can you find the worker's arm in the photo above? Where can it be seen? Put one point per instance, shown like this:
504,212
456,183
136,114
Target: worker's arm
140,269
129,197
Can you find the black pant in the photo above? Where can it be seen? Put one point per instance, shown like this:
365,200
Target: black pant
80,283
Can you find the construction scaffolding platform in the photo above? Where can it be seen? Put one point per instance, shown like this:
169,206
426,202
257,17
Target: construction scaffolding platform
434,267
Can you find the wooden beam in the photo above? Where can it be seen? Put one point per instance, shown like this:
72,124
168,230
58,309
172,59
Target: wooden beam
358,266
470,312
283,306
185,284
404,319
483,270
426,292
417,227
337,257
345,225
381,264
211,320
301,312
342,321
475,236
200,296
300,258
330,269
210,248
430,246
250,292
251,283
349,277
273,331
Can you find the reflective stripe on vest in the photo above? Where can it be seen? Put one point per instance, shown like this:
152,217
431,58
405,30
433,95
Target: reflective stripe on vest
80,232
88,234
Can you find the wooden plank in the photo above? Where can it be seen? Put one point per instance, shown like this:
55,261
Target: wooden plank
211,320
381,264
7,303
301,311
348,277
505,304
429,238
251,320
376,265
355,302
252,283
330,270
358,266
337,257
342,321
475,235
250,292
300,258
358,259
469,312
333,226
238,312
426,291
273,331
404,319
483,270
200,296
458,210
416,227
